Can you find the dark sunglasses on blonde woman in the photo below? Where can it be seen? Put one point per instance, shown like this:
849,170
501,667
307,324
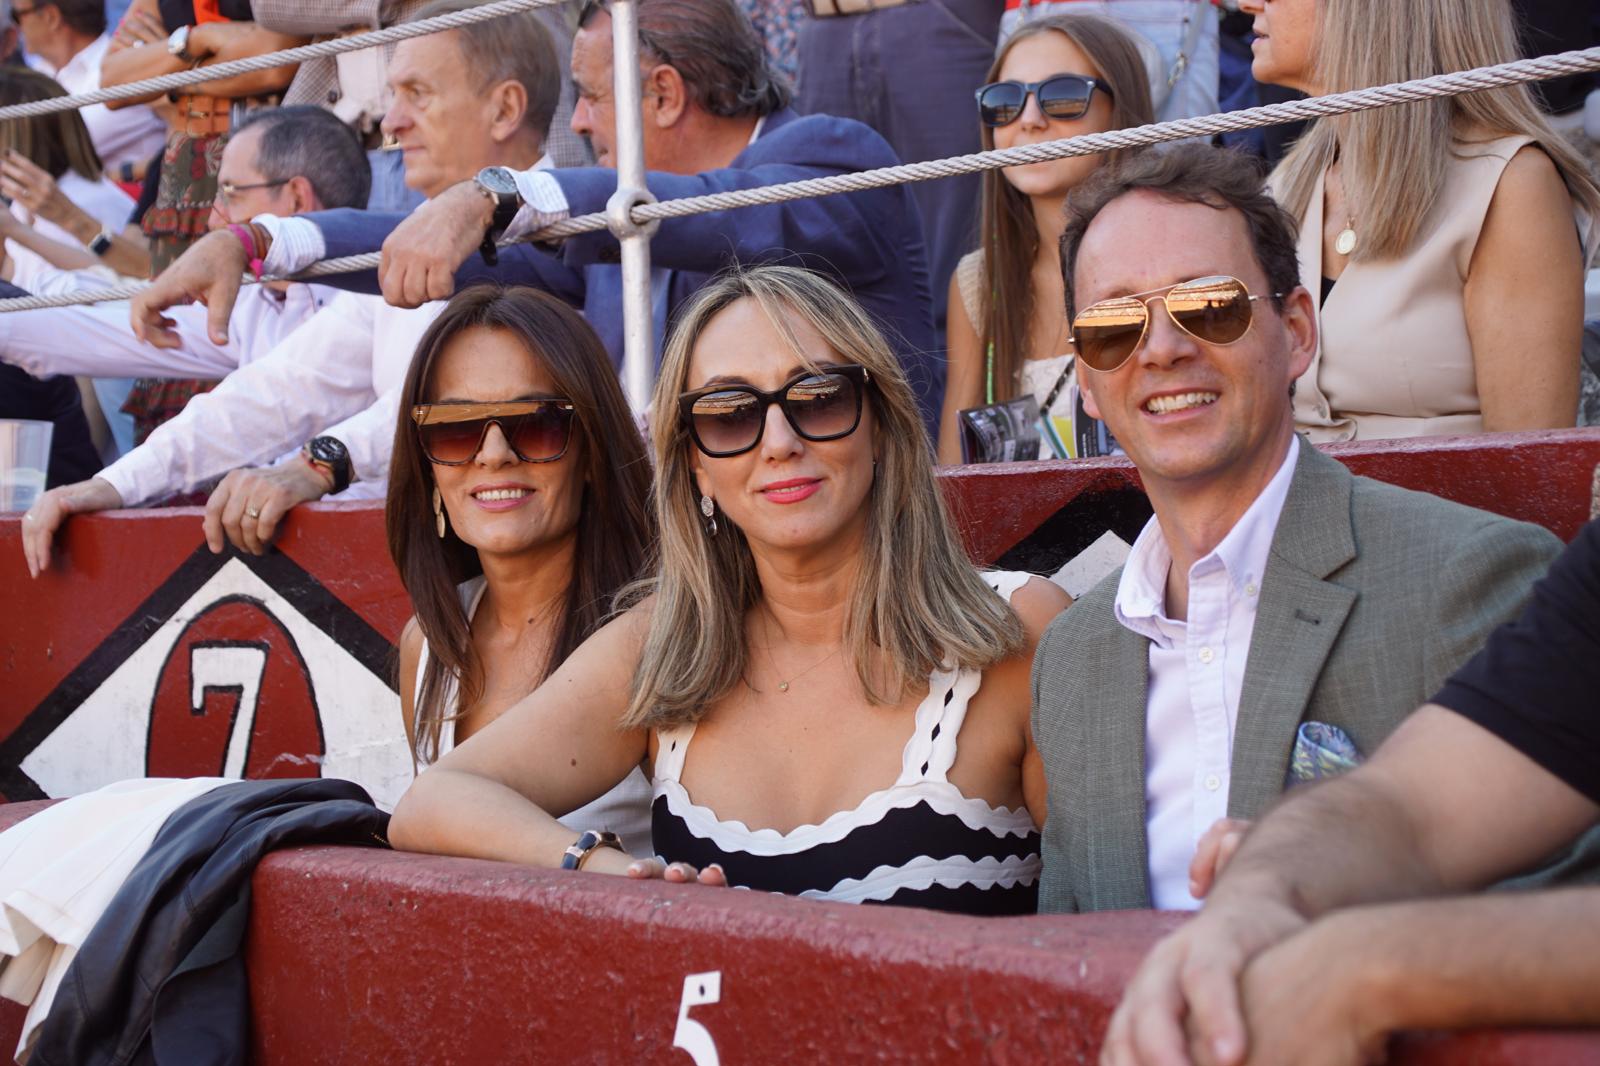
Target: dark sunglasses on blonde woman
452,433
822,404
1216,310
1060,96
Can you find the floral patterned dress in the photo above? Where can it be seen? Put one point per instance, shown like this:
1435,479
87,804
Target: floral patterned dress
189,169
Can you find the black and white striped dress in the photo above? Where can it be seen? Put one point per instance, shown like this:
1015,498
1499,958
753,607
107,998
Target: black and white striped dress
919,842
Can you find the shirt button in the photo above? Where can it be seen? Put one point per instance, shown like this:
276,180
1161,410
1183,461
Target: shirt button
1206,655
1250,589
1213,782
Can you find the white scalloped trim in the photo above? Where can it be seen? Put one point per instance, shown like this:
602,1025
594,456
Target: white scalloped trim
943,797
911,788
923,873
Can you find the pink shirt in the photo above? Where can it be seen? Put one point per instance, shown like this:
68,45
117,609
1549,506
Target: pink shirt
1196,674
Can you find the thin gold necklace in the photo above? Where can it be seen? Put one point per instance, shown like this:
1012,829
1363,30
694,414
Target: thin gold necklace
783,686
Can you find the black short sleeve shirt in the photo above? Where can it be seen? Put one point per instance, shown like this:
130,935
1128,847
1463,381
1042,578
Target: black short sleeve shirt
1536,683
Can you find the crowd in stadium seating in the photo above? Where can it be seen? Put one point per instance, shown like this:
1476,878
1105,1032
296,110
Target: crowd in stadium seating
769,570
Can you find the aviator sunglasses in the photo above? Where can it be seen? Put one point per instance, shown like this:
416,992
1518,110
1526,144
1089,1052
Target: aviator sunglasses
823,404
451,434
1216,310
1060,96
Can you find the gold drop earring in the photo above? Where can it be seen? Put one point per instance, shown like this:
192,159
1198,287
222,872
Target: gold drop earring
438,512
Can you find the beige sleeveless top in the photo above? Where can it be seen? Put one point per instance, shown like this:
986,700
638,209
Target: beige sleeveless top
1039,376
1394,358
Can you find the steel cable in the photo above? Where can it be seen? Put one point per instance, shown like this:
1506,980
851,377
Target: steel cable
1477,80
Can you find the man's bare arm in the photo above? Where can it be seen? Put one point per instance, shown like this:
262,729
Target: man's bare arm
1337,991
1444,806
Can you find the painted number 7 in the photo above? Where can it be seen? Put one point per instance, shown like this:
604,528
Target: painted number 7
699,989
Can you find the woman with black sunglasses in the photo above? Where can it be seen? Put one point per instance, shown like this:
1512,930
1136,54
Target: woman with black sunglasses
517,510
831,700
1056,77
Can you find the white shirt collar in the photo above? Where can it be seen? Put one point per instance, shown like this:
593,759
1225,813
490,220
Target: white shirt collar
1142,592
88,58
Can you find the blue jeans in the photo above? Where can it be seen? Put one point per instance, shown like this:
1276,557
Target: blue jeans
909,72
112,394
389,191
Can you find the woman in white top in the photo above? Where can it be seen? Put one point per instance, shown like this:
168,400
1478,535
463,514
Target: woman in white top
1007,328
830,699
517,510
1446,237
61,198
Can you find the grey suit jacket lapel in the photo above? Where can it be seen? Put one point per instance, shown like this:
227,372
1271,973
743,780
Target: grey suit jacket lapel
1119,862
1297,622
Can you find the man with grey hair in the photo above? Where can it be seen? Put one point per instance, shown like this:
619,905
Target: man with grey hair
323,403
285,160
352,85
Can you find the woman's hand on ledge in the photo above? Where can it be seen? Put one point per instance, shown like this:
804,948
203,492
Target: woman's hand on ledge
678,872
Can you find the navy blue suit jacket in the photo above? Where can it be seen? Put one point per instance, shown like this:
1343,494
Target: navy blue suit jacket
871,241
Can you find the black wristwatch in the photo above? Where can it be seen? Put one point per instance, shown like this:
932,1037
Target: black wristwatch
500,185
328,454
102,242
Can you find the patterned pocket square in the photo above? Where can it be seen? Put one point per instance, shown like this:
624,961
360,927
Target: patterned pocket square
1321,750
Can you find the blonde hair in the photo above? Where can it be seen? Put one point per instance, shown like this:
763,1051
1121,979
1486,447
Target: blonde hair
1393,159
917,604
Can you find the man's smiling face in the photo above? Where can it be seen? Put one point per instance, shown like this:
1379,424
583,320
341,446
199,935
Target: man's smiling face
1186,411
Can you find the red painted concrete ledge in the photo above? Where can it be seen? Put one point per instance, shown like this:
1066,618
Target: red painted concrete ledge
361,956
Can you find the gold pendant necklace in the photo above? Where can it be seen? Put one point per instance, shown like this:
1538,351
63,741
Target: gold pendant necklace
1345,242
783,686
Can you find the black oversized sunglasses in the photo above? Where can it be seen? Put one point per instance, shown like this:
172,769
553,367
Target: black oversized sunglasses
1060,96
451,434
822,404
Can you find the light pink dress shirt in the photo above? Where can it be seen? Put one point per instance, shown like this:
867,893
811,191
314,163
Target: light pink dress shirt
1196,674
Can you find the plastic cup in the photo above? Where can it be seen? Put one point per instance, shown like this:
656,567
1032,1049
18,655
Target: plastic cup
24,457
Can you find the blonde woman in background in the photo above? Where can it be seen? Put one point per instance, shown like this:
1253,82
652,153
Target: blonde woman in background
1447,238
61,198
1007,321
830,701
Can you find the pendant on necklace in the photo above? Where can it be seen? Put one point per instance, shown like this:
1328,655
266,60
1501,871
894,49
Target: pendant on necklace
1345,243
783,686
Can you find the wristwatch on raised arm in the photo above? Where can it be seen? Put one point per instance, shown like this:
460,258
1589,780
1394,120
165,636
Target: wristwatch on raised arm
329,456
178,44
102,242
499,184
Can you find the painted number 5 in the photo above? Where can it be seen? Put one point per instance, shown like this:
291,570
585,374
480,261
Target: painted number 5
699,989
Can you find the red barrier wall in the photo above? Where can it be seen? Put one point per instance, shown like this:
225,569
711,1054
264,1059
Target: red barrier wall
361,956
1545,477
140,652
140,641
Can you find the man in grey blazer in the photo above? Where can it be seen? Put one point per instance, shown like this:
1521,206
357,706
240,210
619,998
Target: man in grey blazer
1272,588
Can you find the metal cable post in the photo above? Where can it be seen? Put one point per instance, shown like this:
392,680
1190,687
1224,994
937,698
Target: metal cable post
639,352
